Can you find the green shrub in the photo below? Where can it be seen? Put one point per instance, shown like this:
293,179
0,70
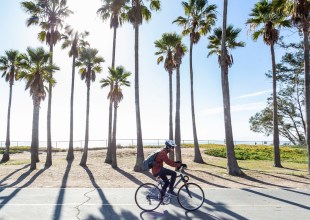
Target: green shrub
259,152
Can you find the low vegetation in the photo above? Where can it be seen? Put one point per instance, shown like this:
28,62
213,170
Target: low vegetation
258,152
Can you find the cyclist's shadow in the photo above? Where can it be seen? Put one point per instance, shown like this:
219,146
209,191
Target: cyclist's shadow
146,215
165,215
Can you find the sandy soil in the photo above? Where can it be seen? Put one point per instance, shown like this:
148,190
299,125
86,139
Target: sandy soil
99,174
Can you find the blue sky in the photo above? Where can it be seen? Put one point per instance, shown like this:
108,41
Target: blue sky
249,86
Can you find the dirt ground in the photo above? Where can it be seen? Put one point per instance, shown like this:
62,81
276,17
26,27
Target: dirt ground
211,174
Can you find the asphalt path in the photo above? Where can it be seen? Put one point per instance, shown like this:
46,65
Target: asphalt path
118,203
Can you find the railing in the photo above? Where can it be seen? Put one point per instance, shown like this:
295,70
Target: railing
131,143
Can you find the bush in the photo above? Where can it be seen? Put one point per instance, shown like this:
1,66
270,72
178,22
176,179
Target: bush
259,152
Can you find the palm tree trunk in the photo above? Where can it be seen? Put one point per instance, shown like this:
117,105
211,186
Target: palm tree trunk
197,157
114,160
307,89
35,132
276,142
114,47
108,158
171,154
232,164
109,154
70,155
85,152
6,155
49,111
177,117
140,154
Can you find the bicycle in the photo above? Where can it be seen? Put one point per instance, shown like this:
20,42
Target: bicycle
190,196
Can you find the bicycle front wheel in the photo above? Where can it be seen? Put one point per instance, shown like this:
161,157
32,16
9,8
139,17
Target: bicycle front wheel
148,197
191,196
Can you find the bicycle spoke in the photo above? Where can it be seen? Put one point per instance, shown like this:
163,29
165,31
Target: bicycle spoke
147,197
190,196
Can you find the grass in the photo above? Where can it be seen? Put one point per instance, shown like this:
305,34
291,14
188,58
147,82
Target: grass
259,152
20,149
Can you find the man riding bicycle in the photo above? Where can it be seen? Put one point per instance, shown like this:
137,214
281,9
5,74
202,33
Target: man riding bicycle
159,170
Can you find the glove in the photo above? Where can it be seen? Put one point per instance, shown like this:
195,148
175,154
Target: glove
178,161
184,165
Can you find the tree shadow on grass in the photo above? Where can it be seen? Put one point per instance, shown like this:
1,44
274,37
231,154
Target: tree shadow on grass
106,213
6,199
11,174
62,192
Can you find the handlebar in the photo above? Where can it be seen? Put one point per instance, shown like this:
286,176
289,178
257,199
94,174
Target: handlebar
181,168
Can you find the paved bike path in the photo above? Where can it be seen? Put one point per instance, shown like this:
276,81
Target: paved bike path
113,203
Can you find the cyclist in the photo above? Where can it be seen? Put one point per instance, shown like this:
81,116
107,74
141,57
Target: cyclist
159,170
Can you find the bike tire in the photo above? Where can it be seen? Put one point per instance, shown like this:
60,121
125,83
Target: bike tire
147,197
191,196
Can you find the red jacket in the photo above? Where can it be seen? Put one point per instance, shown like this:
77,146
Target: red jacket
160,158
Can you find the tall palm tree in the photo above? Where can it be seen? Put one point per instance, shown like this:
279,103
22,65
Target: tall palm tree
36,71
10,65
119,78
49,15
136,13
75,41
165,49
299,11
264,21
200,17
89,64
179,51
220,43
112,9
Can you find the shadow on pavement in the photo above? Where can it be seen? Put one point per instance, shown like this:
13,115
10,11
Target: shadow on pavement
6,199
62,192
294,191
279,199
106,211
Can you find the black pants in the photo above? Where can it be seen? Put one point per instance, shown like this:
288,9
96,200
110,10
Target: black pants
163,175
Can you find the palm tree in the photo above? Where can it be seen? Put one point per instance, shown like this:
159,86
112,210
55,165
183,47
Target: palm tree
89,64
118,77
10,65
215,46
263,22
200,17
36,71
166,46
49,15
179,51
75,41
299,11
136,13
112,9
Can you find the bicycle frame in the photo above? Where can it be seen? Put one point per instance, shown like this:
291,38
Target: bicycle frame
180,177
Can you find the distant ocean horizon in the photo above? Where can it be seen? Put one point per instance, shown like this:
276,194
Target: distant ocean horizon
132,143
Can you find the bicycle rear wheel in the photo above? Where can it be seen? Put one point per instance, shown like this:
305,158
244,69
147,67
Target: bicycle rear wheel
148,197
191,196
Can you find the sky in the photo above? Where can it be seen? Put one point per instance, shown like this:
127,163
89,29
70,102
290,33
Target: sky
249,87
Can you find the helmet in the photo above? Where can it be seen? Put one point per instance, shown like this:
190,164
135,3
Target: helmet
170,144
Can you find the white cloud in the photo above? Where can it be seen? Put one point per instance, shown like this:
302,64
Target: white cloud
255,106
254,94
